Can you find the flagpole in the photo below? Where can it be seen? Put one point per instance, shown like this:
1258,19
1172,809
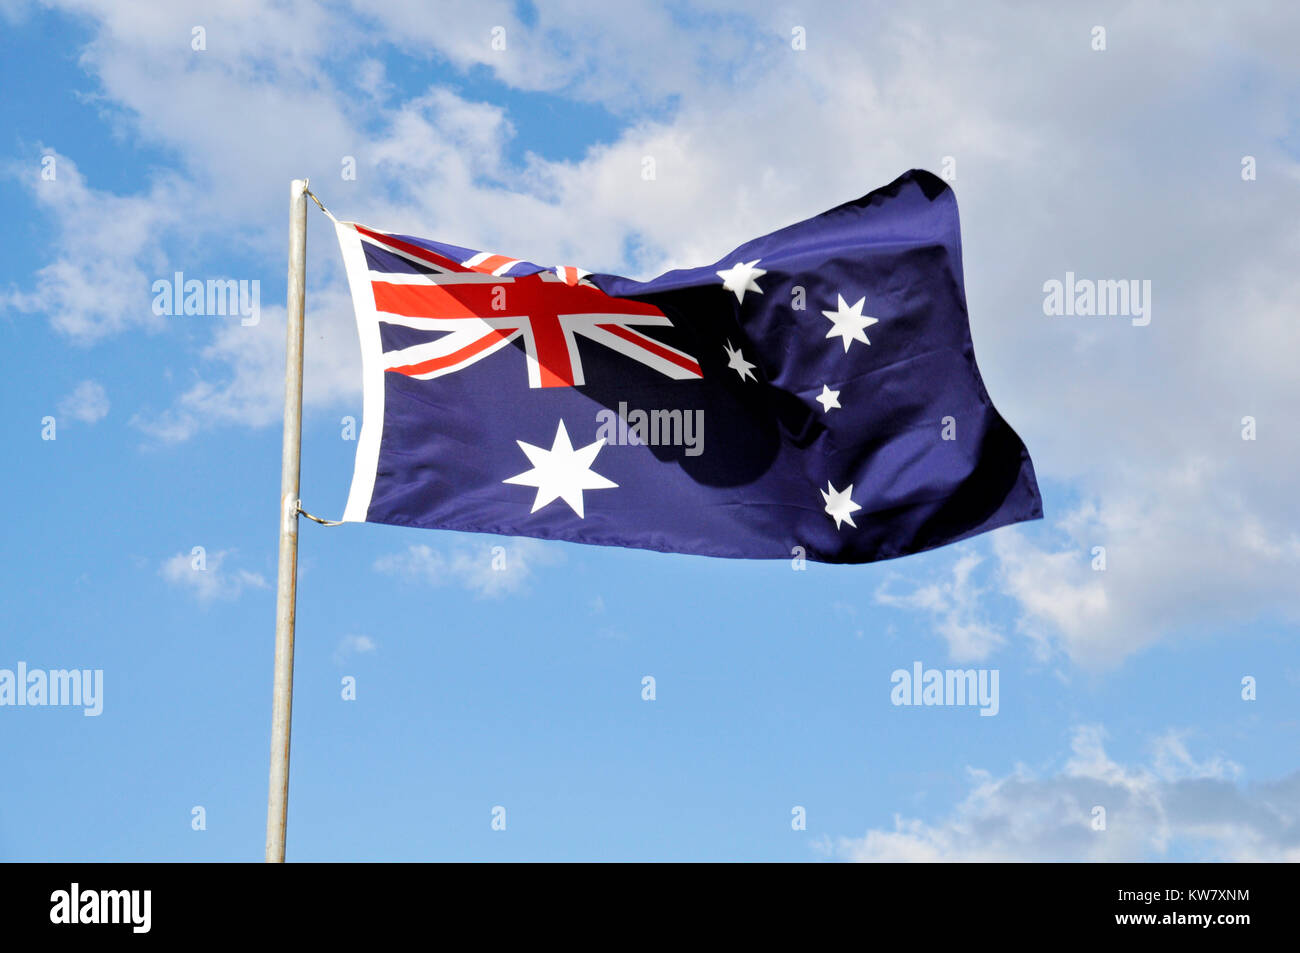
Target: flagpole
277,805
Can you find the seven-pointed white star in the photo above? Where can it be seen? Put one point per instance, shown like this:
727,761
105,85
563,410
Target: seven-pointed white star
740,278
828,399
849,322
561,472
838,505
736,361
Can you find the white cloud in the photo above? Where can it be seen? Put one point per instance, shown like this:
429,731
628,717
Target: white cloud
248,384
1173,804
88,403
208,578
625,56
1184,552
488,569
957,606
97,283
353,645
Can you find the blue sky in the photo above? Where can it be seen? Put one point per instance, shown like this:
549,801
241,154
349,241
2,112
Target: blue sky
523,688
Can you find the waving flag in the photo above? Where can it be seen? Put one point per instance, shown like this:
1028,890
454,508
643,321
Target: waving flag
812,393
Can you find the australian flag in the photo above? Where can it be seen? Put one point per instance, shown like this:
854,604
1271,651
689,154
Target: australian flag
813,393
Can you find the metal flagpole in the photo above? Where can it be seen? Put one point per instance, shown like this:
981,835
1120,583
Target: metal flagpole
277,804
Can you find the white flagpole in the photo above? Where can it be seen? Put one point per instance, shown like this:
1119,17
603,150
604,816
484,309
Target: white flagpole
277,805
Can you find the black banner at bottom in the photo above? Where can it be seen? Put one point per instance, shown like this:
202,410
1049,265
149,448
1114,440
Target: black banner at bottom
333,902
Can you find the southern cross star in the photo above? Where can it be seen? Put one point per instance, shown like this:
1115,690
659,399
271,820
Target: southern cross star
829,399
736,361
849,322
838,505
740,278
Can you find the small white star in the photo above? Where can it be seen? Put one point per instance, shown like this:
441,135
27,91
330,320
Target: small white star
849,322
740,278
736,361
561,472
829,399
838,505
